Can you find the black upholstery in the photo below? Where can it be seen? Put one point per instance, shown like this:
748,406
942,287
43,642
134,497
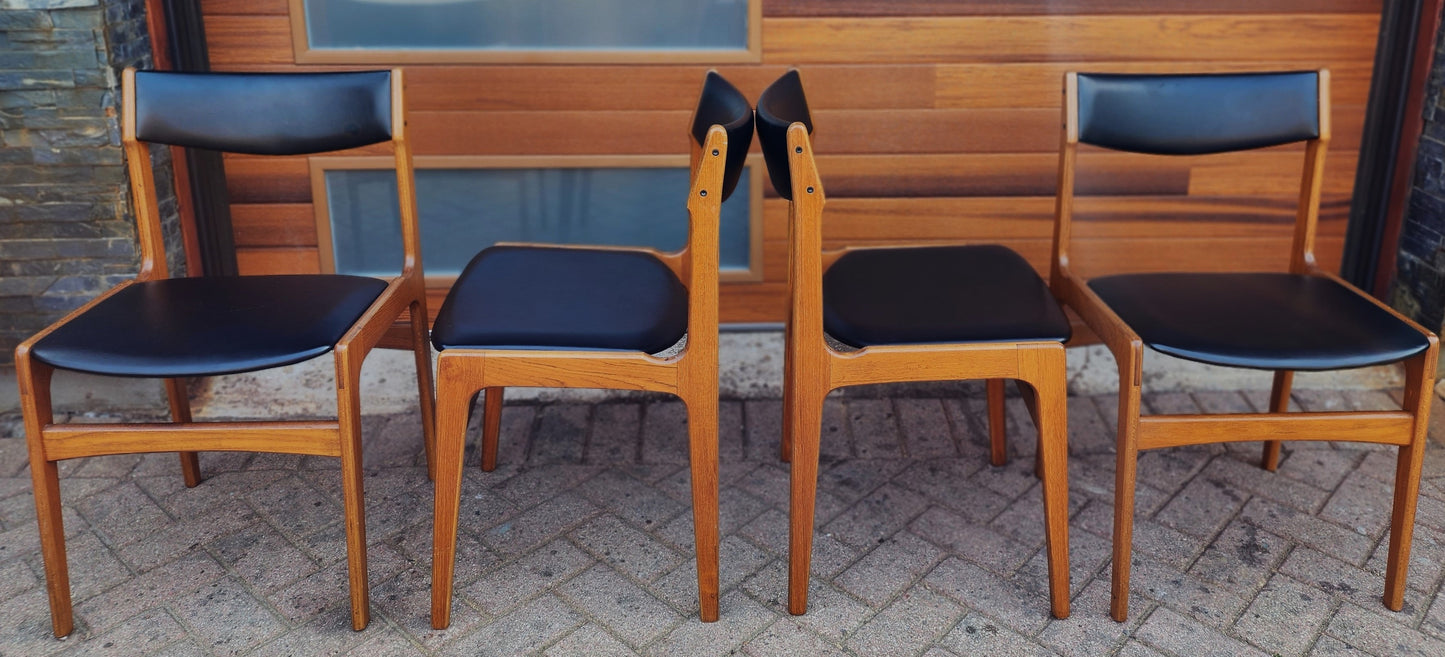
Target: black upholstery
984,293
264,113
1197,114
523,296
205,326
1260,320
722,104
781,105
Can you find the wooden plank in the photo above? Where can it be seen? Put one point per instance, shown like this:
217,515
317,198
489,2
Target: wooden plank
1038,84
273,224
1056,7
252,40
267,179
300,260
244,8
1228,37
67,441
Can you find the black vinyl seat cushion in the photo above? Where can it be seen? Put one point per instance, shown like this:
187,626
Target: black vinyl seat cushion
546,297
1265,321
984,293
211,325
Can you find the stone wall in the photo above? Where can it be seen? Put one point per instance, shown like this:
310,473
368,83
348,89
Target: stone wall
67,231
1418,289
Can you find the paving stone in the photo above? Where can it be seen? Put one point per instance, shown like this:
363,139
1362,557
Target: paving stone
976,588
1089,630
1212,604
626,549
1182,635
788,637
926,428
738,559
561,433
152,589
1151,538
589,641
539,524
124,514
93,566
978,635
263,557
1309,530
183,536
875,429
877,516
538,571
664,433
830,556
327,634
1328,646
764,429
1427,558
1335,577
945,482
1202,507
1358,505
891,567
513,438
731,444
1242,557
1372,632
616,602
313,594
632,500
832,614
524,630
406,600
907,625
977,543
1167,468
227,619
1088,555
150,631
1257,481
1284,617
739,620
533,484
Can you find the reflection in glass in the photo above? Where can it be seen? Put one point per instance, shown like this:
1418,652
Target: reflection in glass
528,24
463,211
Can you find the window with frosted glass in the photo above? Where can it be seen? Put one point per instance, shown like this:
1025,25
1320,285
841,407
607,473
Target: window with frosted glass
527,25
462,211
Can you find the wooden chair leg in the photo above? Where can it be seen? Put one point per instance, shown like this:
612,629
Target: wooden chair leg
1128,458
491,427
785,445
426,392
702,418
806,421
348,418
1278,403
454,401
1051,399
35,407
1419,388
181,412
997,430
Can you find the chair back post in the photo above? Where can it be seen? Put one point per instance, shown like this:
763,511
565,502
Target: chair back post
806,227
405,178
1064,199
700,266
1302,251
142,187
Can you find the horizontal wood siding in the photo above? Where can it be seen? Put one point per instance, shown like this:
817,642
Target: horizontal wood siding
937,121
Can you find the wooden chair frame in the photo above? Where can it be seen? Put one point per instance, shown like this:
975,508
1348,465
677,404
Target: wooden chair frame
49,442
1405,428
691,375
812,369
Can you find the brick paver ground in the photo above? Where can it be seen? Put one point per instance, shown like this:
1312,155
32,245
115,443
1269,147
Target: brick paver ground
581,543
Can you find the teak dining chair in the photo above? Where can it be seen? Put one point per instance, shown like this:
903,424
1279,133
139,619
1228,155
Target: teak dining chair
922,313
592,317
1305,319
174,328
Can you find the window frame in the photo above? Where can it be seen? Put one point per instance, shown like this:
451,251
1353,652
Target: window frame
305,54
321,206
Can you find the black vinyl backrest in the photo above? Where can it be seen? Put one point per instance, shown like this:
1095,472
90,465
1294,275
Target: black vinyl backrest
722,104
264,113
1197,114
781,105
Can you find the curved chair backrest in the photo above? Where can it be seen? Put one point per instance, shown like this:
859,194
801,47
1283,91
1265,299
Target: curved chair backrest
1197,114
264,114
781,105
722,104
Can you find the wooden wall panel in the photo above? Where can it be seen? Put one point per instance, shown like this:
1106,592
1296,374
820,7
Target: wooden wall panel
937,121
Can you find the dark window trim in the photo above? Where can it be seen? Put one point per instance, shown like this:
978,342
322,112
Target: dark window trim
1388,145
